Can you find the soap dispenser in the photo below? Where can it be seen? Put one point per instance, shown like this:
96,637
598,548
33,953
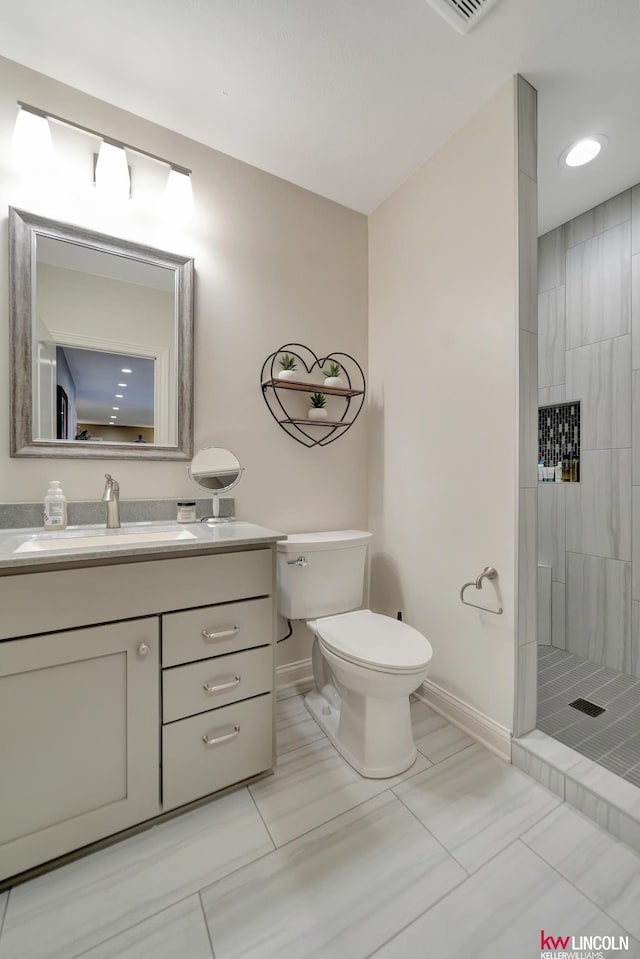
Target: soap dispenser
55,507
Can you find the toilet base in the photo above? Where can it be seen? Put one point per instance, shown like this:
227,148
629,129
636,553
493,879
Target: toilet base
328,719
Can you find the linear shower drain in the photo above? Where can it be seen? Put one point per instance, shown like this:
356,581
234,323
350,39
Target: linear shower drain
584,706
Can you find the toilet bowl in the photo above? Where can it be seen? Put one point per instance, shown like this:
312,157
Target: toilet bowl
365,665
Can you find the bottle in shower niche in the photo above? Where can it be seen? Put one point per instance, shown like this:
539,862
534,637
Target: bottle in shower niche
574,468
55,507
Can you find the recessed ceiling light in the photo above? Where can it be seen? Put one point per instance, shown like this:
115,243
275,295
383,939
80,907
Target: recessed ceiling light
115,407
122,384
125,371
583,151
119,396
113,418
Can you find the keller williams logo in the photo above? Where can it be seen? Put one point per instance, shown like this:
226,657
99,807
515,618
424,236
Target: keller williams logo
592,946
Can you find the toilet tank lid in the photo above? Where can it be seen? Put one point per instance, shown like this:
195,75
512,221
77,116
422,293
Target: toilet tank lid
334,539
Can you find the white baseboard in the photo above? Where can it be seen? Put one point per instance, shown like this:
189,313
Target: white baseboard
487,731
298,675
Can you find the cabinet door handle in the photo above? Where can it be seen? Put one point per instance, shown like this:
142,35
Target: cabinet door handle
220,633
213,687
143,649
216,740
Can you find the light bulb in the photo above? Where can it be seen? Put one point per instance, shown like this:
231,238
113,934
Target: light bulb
32,141
178,197
584,151
112,172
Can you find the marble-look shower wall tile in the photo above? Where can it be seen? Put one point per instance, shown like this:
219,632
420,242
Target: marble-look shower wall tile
551,259
635,638
608,214
527,689
527,566
599,610
527,253
552,395
598,287
551,337
635,219
558,616
636,542
551,528
528,396
600,376
598,508
527,128
635,426
635,310
543,625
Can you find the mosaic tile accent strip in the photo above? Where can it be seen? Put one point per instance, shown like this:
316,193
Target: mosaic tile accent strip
611,739
559,433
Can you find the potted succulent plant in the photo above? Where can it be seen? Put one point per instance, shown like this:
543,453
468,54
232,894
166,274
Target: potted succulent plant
332,376
288,364
317,410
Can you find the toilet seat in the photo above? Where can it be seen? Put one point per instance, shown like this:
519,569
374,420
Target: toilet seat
374,641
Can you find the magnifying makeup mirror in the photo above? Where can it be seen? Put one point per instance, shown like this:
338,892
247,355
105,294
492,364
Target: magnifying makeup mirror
216,471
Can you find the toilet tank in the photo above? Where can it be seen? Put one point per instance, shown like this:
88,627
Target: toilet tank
330,577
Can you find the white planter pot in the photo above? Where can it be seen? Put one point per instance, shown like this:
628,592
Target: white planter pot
288,375
335,381
317,413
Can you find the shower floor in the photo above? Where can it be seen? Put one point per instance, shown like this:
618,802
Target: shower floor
612,738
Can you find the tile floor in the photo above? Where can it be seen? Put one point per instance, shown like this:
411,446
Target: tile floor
611,739
461,856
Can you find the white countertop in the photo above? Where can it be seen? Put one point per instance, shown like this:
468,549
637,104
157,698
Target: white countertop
18,554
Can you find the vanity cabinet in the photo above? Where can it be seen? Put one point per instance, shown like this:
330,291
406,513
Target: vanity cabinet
78,738
128,690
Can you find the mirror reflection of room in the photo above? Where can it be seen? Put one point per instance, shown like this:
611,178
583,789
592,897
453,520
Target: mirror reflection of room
104,329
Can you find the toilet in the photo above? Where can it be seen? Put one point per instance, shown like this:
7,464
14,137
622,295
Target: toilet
365,665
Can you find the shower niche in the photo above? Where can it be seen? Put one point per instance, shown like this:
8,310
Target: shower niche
559,442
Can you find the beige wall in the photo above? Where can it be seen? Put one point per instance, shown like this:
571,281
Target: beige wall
442,388
274,263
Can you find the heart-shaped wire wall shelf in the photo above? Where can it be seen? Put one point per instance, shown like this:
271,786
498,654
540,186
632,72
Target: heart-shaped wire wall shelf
286,398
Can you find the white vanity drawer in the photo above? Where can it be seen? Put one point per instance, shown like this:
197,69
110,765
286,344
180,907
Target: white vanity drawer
208,752
214,630
195,688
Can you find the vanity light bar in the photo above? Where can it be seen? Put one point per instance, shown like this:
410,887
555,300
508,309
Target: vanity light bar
36,111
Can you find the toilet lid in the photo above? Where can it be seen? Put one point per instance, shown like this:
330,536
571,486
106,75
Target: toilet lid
375,640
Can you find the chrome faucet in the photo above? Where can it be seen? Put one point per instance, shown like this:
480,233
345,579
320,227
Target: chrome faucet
111,498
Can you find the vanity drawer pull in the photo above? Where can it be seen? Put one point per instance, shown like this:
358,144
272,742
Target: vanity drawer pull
220,633
213,687
216,740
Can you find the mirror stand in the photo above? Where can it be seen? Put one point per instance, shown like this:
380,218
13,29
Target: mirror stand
216,471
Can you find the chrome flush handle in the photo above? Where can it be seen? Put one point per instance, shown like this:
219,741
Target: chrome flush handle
300,561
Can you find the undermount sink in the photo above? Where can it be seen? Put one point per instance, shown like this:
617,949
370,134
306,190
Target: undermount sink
100,538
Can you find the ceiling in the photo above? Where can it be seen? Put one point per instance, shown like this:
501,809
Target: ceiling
348,97
96,376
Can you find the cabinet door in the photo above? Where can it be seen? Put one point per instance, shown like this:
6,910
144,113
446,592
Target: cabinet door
79,751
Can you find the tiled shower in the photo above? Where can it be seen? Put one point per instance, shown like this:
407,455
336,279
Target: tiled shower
589,529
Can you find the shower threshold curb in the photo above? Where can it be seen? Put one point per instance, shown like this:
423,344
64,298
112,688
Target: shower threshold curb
611,802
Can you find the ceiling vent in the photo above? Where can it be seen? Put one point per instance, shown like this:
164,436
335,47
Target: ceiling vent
462,15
